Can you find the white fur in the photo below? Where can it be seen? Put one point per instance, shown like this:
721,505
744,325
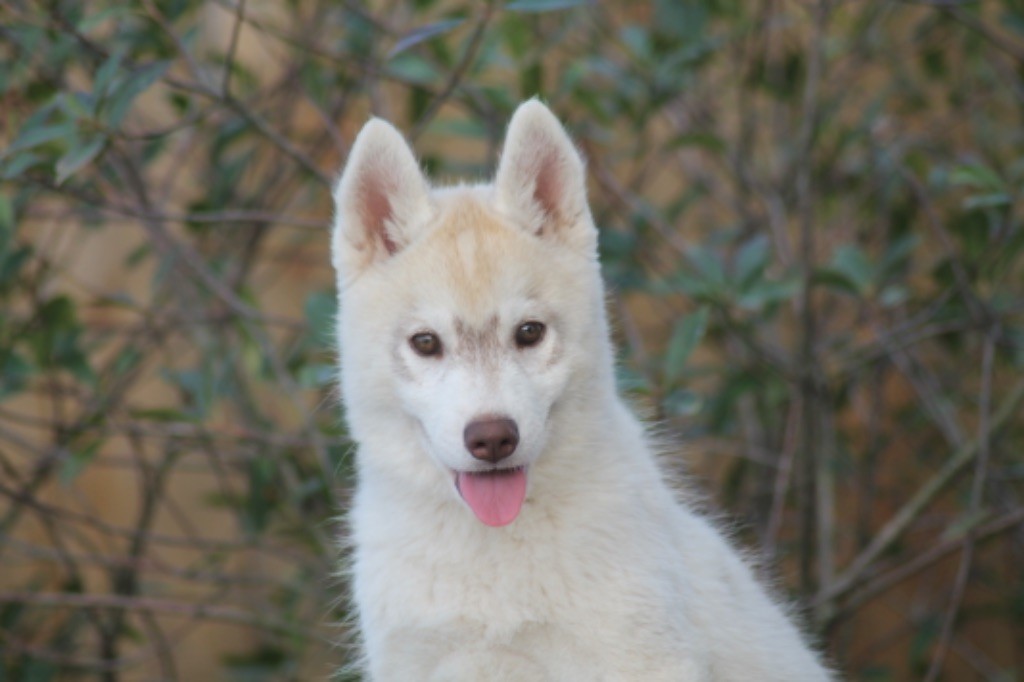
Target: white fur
604,575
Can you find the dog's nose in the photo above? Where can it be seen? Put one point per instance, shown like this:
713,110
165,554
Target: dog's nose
491,439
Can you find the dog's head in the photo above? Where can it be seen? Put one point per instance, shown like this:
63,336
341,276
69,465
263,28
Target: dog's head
469,315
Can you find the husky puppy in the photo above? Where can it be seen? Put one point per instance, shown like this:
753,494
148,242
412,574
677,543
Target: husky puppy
510,522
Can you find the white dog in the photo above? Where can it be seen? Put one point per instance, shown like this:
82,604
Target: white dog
510,521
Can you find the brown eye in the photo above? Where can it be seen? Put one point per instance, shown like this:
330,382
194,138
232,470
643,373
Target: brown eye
426,344
529,334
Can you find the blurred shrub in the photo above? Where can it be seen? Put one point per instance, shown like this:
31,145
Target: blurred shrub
812,225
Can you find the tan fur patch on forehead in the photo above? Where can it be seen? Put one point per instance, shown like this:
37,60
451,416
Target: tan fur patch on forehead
475,248
465,219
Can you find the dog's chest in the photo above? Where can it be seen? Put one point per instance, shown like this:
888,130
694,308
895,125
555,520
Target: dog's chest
577,591
447,575
503,580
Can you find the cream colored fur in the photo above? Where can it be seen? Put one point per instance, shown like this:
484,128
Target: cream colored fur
605,574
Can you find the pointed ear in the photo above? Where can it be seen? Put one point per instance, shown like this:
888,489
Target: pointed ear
541,181
381,200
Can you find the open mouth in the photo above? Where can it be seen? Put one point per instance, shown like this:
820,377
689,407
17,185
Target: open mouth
496,496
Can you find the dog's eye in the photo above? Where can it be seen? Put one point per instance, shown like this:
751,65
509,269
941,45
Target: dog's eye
426,344
529,334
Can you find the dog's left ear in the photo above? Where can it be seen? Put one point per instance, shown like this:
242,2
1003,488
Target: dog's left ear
541,180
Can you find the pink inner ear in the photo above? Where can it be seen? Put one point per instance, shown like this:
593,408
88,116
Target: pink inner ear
548,189
375,211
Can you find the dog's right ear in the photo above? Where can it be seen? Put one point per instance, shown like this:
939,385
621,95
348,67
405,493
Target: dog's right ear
380,201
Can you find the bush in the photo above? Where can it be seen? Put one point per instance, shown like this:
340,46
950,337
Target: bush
811,223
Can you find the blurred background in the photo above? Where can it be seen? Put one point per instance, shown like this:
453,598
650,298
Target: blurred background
811,224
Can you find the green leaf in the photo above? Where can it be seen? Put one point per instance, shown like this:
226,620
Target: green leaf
127,90
262,496
75,463
159,414
125,361
57,342
703,140
542,5
424,33
685,337
531,80
317,375
15,167
834,280
78,156
764,293
7,223
91,21
682,402
708,264
11,264
685,282
28,38
682,22
466,128
516,34
105,74
197,388
851,264
898,252
638,40
413,69
631,381
978,176
893,295
751,260
14,373
38,670
40,134
321,315
78,105
966,522
988,200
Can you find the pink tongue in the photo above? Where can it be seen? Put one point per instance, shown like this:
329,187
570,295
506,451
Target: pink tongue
495,497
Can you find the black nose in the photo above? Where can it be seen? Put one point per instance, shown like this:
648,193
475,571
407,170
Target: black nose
491,439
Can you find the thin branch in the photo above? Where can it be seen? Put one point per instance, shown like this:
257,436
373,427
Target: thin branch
229,58
977,309
180,253
902,520
886,581
783,475
242,109
815,464
196,544
193,67
457,73
280,141
973,509
199,610
226,217
1013,49
929,392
